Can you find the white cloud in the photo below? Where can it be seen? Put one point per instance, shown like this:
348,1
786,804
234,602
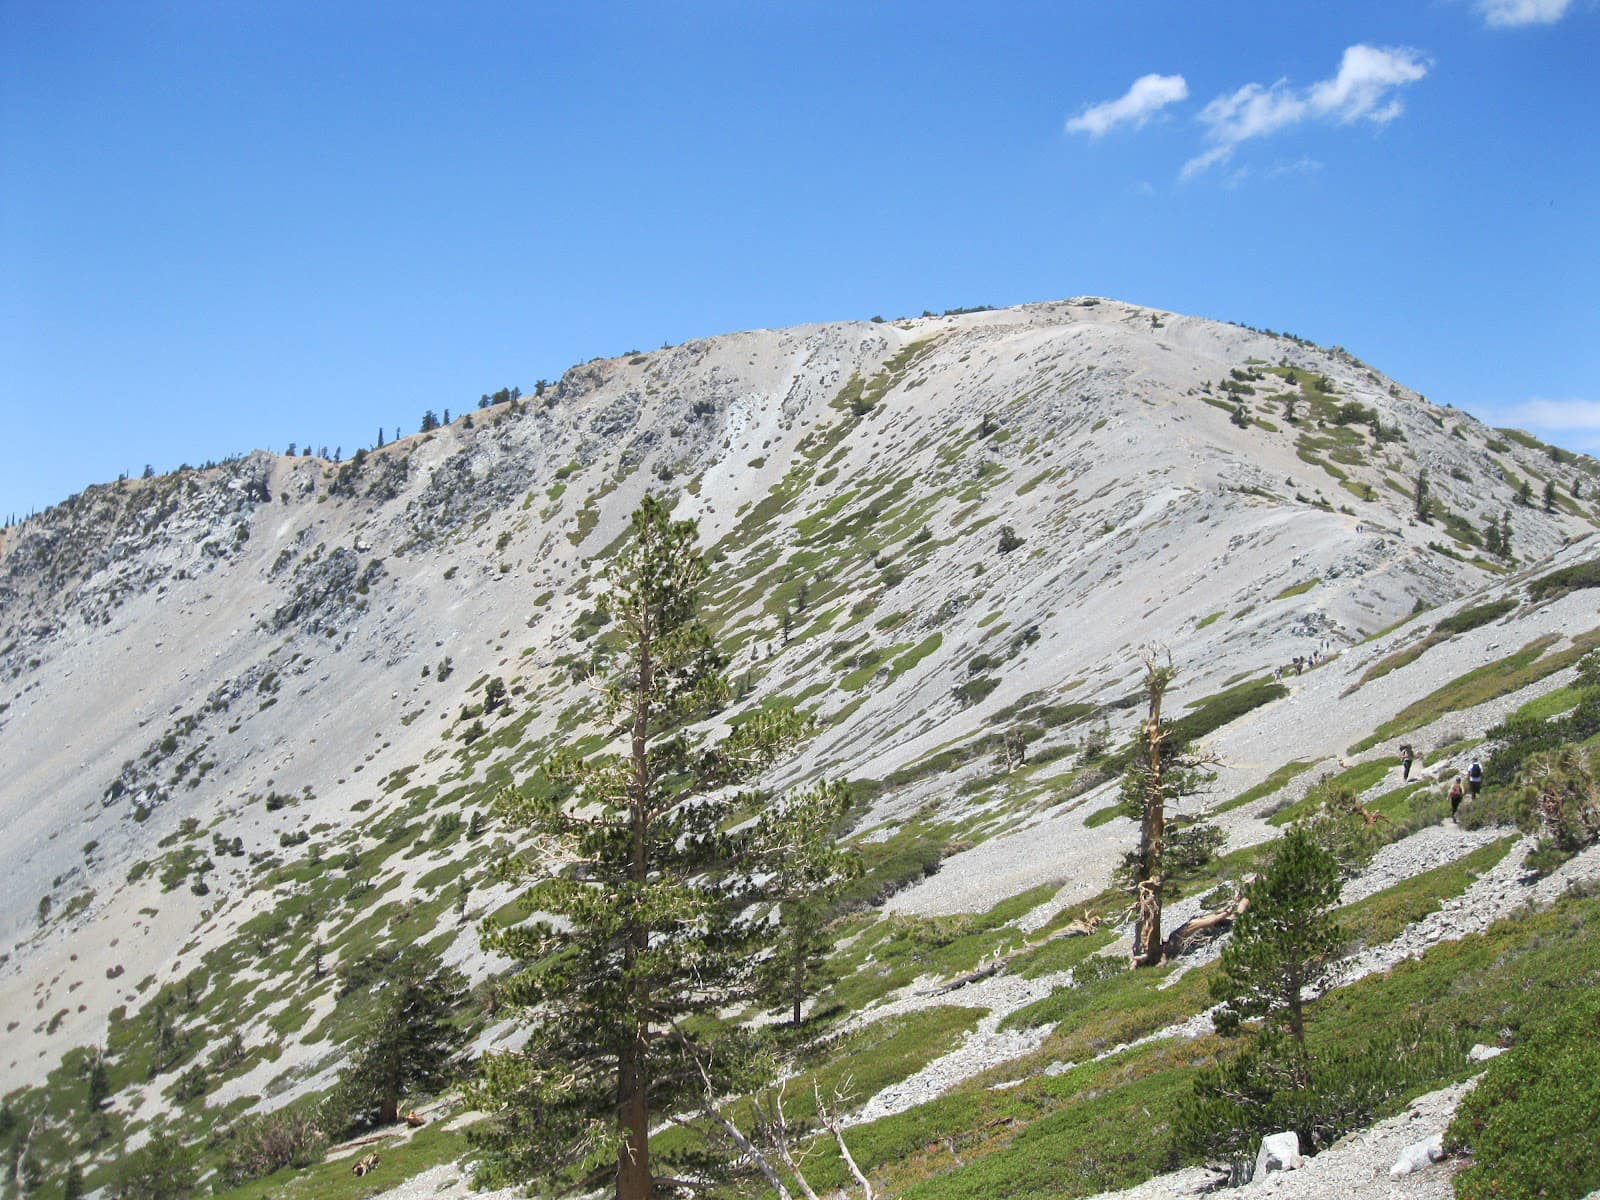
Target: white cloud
1252,111
1572,414
1509,14
1304,165
1201,163
1363,89
1148,96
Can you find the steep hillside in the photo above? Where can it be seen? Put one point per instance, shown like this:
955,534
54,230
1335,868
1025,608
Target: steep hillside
242,737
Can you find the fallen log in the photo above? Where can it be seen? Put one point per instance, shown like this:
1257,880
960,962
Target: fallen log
1211,924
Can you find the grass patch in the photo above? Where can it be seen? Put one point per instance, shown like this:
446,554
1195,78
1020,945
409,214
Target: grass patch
1206,716
1272,783
1472,618
1505,675
1383,916
1298,589
1357,779
1101,816
333,1180
916,654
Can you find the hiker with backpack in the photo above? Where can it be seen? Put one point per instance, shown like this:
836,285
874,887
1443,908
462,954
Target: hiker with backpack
1474,778
1455,798
1406,755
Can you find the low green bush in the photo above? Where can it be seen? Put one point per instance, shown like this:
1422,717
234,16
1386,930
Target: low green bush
1269,1086
1567,579
1472,618
1530,1124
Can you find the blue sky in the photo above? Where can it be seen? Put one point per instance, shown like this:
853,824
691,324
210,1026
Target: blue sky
240,225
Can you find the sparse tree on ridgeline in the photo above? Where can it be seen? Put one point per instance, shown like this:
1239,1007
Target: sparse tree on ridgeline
1423,498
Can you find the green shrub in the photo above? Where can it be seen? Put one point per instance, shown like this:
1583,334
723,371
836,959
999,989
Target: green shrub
1567,579
1530,1124
974,690
1270,1086
1471,618
1214,712
263,1144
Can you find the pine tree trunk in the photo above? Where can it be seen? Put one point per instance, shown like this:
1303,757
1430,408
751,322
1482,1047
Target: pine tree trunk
389,1102
633,1083
633,1114
797,976
1147,949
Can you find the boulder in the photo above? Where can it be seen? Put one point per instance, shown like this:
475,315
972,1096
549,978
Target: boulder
1419,1155
1482,1053
1279,1152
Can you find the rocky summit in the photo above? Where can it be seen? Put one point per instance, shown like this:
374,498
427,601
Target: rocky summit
253,716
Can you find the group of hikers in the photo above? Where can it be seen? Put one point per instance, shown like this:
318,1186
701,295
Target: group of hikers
1299,664
1474,779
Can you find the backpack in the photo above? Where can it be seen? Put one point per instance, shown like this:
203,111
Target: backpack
1475,773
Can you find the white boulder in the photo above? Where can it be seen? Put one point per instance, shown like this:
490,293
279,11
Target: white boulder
1419,1155
1279,1152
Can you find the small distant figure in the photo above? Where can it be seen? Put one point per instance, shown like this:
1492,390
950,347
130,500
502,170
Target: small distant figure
1456,792
1474,778
1406,755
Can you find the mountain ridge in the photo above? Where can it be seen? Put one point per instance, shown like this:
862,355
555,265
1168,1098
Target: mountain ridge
282,645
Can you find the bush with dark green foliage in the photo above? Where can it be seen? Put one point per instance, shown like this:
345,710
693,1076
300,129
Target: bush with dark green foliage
1558,797
974,690
163,1169
1471,618
1567,579
1271,1086
1530,1123
260,1145
1520,738
409,1046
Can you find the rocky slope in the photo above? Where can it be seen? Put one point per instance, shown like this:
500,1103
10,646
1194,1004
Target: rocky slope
217,683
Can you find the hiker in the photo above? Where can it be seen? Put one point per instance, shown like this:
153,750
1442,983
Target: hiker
1406,755
1455,798
1474,778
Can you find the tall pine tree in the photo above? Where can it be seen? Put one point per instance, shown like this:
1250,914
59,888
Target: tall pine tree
409,1046
646,897
1285,940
